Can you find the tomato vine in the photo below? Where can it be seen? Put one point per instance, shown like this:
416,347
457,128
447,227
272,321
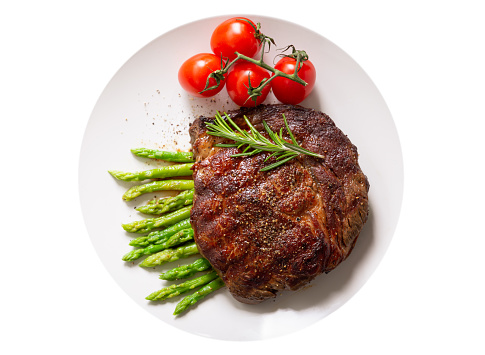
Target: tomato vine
254,92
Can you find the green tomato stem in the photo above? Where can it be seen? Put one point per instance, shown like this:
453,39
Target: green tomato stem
254,92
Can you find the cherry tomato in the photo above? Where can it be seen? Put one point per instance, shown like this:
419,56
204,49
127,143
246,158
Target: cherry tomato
237,83
235,35
194,71
288,91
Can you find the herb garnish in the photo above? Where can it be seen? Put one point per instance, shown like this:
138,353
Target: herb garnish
255,142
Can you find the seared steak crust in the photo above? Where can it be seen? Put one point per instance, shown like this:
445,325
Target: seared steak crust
265,232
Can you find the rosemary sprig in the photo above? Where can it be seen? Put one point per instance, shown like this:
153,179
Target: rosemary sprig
254,142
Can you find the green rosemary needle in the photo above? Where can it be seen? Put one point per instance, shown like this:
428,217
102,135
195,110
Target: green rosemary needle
254,142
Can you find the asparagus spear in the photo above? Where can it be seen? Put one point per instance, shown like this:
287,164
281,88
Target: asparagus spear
161,185
181,157
168,204
160,236
158,173
169,255
177,289
146,225
189,300
176,239
185,271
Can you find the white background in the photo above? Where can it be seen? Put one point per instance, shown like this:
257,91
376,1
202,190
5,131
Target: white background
427,59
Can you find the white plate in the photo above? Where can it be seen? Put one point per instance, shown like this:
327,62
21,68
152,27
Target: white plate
143,106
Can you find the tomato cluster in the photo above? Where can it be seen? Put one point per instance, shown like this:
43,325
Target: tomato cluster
206,74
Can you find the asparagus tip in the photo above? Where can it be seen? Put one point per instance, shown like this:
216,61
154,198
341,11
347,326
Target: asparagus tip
128,256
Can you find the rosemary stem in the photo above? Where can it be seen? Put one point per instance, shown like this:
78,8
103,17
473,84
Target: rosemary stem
282,150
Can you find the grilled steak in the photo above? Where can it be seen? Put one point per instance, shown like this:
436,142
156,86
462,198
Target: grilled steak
264,232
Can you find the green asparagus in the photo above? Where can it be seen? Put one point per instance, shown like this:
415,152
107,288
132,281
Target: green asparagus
190,300
168,204
177,289
186,271
160,236
146,225
181,157
158,173
160,185
176,239
169,255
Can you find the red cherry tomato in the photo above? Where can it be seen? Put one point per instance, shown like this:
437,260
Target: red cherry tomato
288,91
235,35
194,71
237,83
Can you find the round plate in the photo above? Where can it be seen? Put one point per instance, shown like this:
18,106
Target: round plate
144,106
